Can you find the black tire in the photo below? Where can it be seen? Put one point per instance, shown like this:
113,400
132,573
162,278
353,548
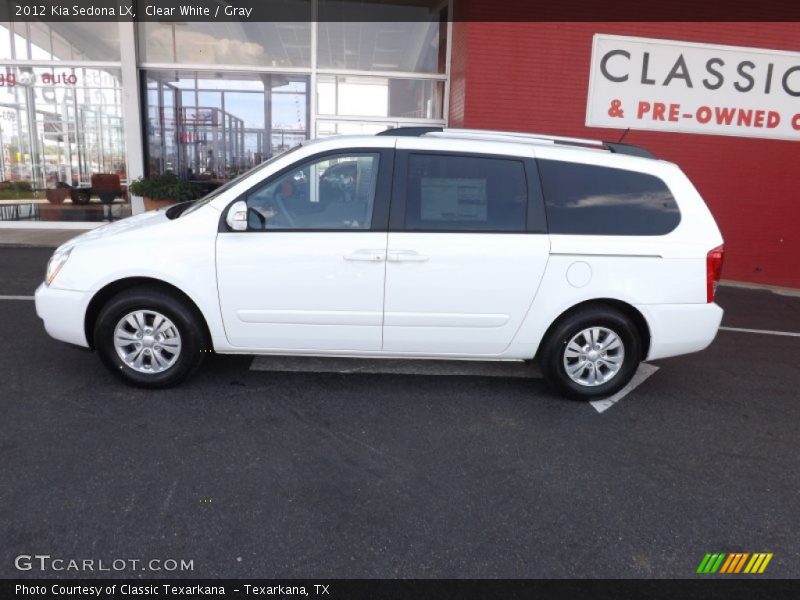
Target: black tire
186,322
554,346
80,196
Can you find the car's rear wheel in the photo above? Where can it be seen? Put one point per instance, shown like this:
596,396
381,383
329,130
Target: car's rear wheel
149,338
590,353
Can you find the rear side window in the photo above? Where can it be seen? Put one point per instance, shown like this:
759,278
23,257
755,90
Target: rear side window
465,193
592,200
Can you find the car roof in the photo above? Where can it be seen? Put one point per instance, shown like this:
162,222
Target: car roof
517,137
471,136
474,141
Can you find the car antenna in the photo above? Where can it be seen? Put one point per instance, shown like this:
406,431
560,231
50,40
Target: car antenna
622,137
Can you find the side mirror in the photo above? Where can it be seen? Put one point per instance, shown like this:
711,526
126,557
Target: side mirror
237,216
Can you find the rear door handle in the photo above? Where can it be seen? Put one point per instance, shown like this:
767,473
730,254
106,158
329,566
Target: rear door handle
406,256
366,254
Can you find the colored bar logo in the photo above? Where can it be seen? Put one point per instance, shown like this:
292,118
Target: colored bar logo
735,562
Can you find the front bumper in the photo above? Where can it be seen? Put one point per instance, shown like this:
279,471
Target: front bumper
677,329
63,313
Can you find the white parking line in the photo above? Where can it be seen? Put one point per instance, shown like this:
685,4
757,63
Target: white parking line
16,297
761,331
643,373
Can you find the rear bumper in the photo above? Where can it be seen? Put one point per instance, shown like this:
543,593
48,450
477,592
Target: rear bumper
63,313
680,328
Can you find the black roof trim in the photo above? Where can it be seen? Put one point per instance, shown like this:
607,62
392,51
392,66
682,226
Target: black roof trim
628,149
410,131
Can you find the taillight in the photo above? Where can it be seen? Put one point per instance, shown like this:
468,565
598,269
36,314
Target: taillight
714,261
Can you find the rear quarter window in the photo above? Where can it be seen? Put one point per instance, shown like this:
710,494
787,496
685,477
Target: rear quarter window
592,200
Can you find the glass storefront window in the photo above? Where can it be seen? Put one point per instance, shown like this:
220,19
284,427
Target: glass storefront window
68,41
413,46
226,43
328,128
208,127
346,95
218,98
63,151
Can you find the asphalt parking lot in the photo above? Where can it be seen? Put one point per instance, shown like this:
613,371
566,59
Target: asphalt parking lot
300,470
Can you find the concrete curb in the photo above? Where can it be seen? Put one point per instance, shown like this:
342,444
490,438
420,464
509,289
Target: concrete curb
775,289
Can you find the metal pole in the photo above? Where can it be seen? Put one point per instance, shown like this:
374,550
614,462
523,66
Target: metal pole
131,109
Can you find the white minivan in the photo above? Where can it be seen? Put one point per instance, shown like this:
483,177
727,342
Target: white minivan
414,243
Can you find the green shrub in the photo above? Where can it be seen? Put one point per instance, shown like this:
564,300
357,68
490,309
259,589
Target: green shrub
166,186
22,186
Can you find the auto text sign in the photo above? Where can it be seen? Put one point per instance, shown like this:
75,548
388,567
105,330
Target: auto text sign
665,85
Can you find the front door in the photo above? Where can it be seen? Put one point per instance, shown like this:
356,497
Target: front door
308,274
467,250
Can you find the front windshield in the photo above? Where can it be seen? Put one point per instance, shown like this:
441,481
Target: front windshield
225,187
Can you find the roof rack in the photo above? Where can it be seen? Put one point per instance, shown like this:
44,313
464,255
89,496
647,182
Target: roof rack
619,148
410,131
509,136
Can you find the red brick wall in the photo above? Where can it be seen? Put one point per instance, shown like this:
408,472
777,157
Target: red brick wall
535,76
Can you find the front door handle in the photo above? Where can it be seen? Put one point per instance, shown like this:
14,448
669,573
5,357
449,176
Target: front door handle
366,255
406,256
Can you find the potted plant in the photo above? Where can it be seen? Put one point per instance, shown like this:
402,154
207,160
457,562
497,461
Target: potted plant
59,193
162,190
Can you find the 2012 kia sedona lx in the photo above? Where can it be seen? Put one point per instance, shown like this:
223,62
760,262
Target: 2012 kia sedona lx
418,242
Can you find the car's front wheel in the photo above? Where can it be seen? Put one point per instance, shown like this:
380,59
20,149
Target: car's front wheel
590,353
149,337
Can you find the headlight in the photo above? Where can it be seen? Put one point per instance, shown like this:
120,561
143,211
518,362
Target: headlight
55,263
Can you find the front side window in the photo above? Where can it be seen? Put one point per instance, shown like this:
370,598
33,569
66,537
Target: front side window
333,193
591,200
465,193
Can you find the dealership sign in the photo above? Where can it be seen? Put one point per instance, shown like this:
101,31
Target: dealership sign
664,85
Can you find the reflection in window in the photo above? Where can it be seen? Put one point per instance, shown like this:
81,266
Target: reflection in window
412,45
64,41
344,95
593,200
75,118
335,193
63,151
459,193
210,126
226,43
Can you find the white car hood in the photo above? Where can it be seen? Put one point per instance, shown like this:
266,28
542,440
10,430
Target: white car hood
129,224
